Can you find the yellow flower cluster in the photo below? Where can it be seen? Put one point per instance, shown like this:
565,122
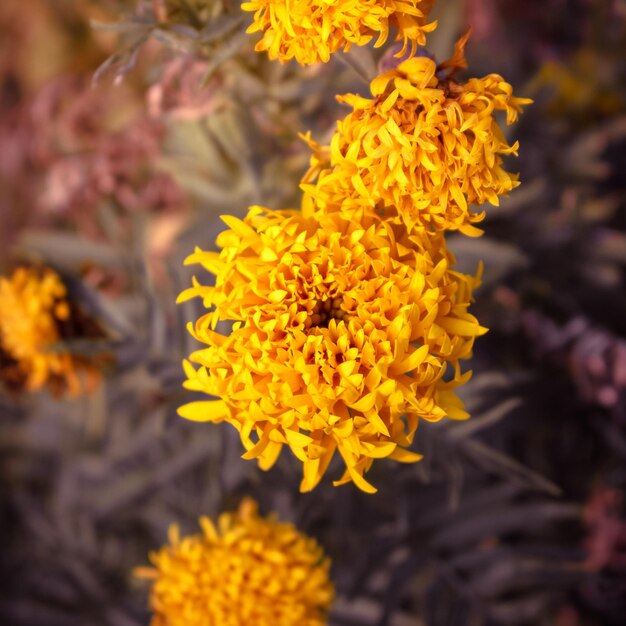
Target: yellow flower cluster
245,571
341,335
33,305
337,327
345,321
311,30
422,151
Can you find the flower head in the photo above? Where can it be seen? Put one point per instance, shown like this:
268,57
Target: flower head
32,304
33,311
340,339
246,571
311,30
423,150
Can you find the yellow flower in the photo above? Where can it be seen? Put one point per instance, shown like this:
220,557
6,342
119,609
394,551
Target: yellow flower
340,339
423,150
577,89
33,305
246,571
311,30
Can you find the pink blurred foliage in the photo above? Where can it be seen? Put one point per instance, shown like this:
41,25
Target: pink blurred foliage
595,358
549,30
179,92
605,544
483,16
64,149
567,616
69,148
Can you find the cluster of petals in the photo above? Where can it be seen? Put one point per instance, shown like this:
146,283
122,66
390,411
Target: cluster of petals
33,306
422,151
246,570
311,30
339,338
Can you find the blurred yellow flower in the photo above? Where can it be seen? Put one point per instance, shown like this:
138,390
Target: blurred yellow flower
422,151
577,89
245,571
340,339
311,30
33,305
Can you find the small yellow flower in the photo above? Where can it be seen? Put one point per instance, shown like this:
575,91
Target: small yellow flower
311,30
245,571
577,89
340,339
33,306
422,151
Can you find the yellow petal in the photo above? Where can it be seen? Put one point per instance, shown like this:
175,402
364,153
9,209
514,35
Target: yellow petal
297,439
207,411
405,456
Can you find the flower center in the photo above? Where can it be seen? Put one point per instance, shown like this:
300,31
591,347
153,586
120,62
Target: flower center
326,310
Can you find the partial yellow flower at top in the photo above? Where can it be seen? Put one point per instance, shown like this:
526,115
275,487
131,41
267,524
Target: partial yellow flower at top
423,150
245,571
311,30
340,339
33,310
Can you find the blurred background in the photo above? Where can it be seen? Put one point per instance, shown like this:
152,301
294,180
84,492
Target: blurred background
126,129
